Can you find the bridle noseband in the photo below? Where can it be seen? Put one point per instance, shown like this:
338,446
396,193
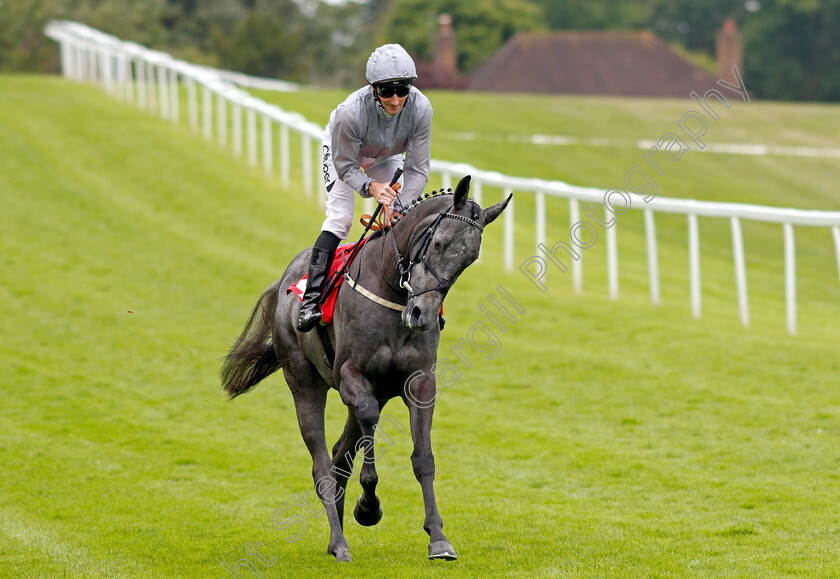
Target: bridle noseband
417,254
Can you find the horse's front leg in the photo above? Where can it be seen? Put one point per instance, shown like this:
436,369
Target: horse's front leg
344,453
419,396
356,393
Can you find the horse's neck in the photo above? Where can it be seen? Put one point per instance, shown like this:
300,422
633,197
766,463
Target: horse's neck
377,267
379,256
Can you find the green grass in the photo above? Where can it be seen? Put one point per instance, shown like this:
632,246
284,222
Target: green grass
606,439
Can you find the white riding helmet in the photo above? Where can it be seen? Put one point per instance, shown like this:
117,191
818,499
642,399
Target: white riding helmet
389,62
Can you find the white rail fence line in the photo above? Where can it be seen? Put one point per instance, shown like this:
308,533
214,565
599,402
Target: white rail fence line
152,80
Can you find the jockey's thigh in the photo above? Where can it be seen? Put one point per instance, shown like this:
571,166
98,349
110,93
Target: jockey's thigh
340,197
340,205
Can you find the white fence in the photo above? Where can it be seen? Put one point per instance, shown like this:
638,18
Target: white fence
153,81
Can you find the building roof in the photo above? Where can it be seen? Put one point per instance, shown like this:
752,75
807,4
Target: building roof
597,63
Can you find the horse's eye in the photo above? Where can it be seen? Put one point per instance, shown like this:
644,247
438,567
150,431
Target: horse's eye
437,244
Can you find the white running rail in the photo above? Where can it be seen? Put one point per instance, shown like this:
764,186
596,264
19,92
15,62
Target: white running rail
153,81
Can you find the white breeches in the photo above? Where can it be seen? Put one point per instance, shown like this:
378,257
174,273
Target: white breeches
340,196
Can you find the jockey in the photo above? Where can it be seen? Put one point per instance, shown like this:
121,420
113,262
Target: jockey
379,128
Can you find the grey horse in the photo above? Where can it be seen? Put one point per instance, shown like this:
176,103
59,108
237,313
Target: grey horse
378,348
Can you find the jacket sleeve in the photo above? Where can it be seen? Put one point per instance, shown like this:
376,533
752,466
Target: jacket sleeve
418,153
346,143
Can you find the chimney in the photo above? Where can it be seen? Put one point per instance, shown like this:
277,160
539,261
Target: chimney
446,60
728,49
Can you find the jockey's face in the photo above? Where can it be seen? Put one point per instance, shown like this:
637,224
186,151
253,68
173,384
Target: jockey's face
394,104
391,96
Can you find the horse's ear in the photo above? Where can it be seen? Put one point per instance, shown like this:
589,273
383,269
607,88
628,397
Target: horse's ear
495,210
462,191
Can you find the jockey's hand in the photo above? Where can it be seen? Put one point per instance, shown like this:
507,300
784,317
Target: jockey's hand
383,194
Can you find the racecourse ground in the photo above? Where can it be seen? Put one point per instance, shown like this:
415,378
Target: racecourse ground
605,438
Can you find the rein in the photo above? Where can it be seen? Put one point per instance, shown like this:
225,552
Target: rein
417,255
334,281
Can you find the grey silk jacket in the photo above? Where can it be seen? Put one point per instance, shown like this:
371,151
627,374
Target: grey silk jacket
363,132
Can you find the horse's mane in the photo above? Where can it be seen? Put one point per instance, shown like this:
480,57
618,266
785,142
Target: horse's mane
419,200
407,209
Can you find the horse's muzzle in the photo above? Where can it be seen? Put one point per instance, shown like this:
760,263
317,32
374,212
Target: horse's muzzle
417,318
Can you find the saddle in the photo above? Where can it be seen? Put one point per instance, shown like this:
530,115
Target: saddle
328,301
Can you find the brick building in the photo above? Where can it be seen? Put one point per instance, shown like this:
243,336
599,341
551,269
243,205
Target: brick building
595,63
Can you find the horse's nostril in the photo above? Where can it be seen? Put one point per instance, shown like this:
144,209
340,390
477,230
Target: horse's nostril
415,314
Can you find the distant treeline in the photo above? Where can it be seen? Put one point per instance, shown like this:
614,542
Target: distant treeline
791,47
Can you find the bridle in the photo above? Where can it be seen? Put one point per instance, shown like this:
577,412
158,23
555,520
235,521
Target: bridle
417,251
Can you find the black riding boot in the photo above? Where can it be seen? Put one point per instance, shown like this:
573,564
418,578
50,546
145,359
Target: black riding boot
322,255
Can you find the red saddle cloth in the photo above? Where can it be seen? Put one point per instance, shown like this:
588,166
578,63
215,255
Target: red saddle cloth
327,308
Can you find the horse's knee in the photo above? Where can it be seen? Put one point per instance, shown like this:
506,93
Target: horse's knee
321,468
367,412
423,464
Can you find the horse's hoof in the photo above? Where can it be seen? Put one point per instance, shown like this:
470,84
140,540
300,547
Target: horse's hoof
367,517
342,555
442,550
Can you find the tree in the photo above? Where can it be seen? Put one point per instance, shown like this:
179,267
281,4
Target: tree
481,26
694,24
596,14
792,50
23,45
265,41
791,47
336,44
136,20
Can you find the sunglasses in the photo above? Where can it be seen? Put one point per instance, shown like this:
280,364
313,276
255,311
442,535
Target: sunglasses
387,91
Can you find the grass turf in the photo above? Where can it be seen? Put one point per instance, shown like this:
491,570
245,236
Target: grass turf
608,439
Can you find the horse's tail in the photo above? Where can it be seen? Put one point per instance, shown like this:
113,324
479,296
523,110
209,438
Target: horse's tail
252,357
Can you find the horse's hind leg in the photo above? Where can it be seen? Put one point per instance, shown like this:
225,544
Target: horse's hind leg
423,462
310,395
344,453
355,392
